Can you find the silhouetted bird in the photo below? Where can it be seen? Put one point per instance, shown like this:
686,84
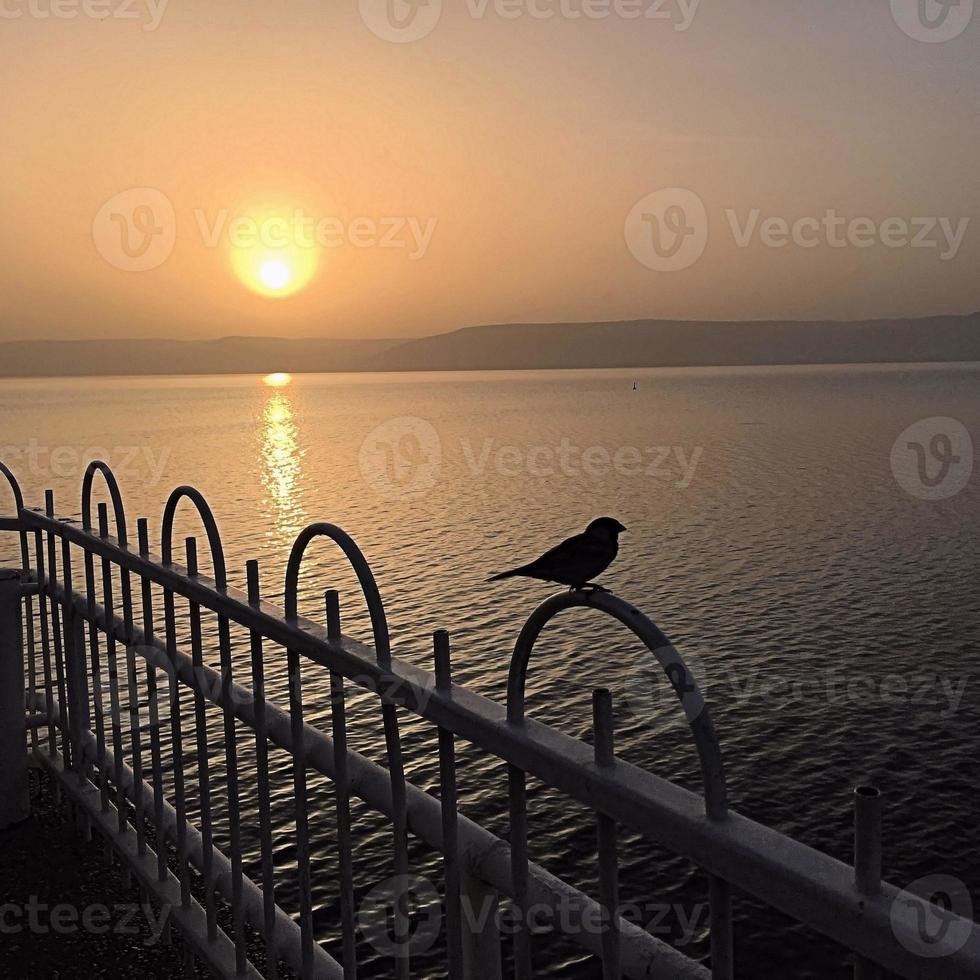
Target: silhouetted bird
578,560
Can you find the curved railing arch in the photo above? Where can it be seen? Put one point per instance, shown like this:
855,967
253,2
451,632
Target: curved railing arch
210,526
680,677
699,721
14,486
389,716
19,505
365,578
119,511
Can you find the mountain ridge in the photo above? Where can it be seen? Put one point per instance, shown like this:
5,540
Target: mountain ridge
510,346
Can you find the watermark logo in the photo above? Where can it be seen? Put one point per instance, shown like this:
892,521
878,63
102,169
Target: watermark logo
933,458
653,691
668,465
65,919
834,230
150,11
306,231
932,21
401,21
133,464
404,21
136,230
402,917
667,230
933,917
407,901
401,458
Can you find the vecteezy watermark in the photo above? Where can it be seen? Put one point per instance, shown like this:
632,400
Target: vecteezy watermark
136,230
652,696
933,458
668,230
667,681
404,21
137,464
40,918
219,687
409,899
401,458
671,464
836,231
307,231
933,917
401,21
150,12
402,917
404,457
932,21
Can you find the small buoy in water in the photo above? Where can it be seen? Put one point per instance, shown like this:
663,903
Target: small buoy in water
634,386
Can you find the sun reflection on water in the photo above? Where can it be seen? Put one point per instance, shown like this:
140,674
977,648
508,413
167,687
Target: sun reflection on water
282,457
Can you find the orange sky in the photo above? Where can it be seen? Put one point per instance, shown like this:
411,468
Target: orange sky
481,173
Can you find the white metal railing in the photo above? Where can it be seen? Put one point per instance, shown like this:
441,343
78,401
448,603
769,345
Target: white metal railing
98,652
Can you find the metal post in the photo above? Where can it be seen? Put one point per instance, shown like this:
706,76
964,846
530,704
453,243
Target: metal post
479,907
450,816
867,860
605,755
14,799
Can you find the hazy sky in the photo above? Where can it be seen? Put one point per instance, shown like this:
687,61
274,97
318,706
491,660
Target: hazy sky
313,172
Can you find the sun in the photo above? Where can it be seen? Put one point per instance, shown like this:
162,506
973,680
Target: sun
274,254
275,274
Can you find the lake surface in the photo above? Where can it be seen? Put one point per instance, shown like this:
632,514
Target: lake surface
779,531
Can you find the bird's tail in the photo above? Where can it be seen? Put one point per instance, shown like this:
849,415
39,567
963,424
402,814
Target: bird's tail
508,574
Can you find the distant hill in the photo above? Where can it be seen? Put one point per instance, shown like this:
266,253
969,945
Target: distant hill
630,343
229,355
671,343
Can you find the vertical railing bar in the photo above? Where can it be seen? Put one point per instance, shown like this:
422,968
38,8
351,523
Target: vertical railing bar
300,808
76,672
97,703
867,860
77,679
517,794
338,721
56,634
69,639
112,660
722,936
177,746
262,776
42,602
132,694
234,811
75,664
399,803
203,767
29,629
603,735
153,706
450,822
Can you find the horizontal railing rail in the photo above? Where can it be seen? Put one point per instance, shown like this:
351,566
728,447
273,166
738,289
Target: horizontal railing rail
855,910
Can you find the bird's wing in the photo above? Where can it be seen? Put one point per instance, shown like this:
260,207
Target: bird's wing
569,549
